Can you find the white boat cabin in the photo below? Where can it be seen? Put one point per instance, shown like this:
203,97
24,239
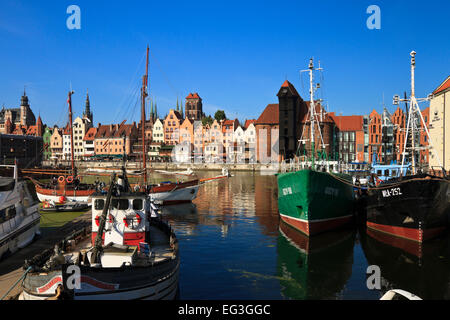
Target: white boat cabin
127,221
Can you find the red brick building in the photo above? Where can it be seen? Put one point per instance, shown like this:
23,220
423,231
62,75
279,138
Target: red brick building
350,137
267,130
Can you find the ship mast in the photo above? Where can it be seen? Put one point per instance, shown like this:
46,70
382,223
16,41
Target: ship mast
413,112
144,94
312,110
71,133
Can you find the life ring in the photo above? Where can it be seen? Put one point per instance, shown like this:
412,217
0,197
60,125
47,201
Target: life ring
61,179
69,179
130,218
97,220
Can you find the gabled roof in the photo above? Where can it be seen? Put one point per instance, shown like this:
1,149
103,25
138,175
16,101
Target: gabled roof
290,86
176,113
90,134
248,123
193,96
114,131
443,86
270,115
229,123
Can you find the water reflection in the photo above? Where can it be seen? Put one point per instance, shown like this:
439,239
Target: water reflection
233,246
315,267
419,269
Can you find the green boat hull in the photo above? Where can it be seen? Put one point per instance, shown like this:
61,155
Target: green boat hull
314,202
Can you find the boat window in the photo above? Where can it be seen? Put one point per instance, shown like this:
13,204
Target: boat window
394,173
120,204
10,212
379,172
99,204
7,214
386,173
137,204
6,184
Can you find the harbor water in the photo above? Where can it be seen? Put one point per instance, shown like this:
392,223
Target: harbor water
233,246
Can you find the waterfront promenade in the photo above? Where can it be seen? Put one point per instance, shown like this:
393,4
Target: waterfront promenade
169,166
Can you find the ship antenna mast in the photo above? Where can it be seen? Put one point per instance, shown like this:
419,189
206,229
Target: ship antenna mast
312,111
413,111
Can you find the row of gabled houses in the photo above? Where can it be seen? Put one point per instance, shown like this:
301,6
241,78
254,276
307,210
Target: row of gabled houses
279,133
198,141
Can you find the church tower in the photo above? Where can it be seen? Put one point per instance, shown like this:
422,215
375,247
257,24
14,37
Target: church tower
194,107
87,114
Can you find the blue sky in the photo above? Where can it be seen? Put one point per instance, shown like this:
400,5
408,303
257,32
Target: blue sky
235,54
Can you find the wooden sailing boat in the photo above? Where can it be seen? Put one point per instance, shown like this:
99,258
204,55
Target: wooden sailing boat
169,192
66,187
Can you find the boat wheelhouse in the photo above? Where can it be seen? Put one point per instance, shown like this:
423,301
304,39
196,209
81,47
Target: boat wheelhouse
131,254
384,172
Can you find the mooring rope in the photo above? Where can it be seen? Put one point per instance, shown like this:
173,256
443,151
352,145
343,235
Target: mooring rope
15,284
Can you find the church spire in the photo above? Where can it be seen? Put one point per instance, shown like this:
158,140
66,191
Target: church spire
87,111
152,114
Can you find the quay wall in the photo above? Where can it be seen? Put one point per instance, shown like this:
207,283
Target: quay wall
168,166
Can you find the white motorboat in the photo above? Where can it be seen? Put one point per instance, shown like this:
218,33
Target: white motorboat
19,214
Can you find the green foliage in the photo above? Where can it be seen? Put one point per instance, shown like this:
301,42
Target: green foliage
207,120
220,115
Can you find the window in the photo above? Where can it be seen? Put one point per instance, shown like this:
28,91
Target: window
137,204
99,204
120,204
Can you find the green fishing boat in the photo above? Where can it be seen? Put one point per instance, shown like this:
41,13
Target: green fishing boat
313,201
310,200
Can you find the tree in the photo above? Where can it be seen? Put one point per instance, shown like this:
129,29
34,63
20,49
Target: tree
207,120
220,115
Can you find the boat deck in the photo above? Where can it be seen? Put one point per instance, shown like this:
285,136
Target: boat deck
160,248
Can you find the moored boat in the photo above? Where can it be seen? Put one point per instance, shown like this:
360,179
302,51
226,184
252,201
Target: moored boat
69,206
131,254
414,206
174,192
19,214
70,186
314,200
